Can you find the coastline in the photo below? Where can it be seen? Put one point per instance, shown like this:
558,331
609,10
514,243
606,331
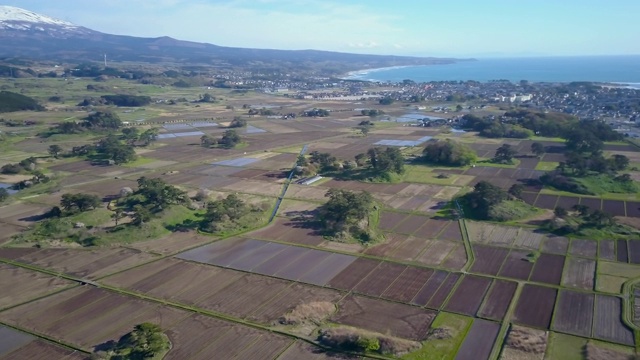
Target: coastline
354,75
618,71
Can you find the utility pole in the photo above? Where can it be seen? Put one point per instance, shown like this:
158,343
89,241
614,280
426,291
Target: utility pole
105,60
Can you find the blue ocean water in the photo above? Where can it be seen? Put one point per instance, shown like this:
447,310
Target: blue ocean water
620,69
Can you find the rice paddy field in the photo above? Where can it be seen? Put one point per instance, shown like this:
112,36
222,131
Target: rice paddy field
455,288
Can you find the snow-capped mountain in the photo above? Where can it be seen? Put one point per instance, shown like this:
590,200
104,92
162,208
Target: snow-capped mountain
20,22
11,14
26,34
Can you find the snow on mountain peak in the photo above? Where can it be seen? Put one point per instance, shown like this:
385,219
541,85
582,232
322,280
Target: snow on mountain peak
11,13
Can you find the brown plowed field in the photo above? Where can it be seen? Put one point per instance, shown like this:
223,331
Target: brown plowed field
408,284
431,228
614,207
328,269
11,340
429,289
488,259
517,266
14,253
267,346
586,248
556,245
173,243
353,274
41,350
467,297
411,224
303,351
498,299
593,204
479,341
88,316
634,251
633,208
411,248
546,201
244,295
443,292
435,254
580,273
395,319
456,259
548,269
535,306
607,250
607,322
380,279
388,247
389,220
451,232
289,298
19,285
574,313
622,253
196,332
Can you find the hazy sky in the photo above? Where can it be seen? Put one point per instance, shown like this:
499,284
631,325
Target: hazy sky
478,28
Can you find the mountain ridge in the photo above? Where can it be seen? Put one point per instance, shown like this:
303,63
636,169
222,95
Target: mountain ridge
26,34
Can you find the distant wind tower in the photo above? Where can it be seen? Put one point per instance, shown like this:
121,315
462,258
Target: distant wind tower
105,60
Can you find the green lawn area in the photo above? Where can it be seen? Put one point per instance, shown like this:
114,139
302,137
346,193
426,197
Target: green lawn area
155,228
547,165
490,163
603,184
443,349
609,283
513,210
542,138
565,347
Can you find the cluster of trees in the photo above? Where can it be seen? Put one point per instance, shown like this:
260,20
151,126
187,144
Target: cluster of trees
229,140
494,128
261,112
568,173
145,341
97,121
347,214
152,197
237,122
365,126
206,98
127,100
389,160
226,212
483,197
371,112
505,154
525,123
387,100
26,165
10,101
113,149
74,203
133,136
323,161
580,217
449,153
317,113
4,194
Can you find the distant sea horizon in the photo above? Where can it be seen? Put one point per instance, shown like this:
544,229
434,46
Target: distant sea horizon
623,70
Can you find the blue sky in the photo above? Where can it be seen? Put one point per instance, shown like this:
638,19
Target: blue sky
462,28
